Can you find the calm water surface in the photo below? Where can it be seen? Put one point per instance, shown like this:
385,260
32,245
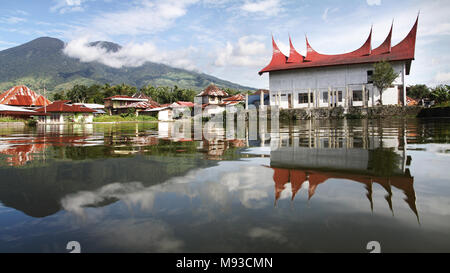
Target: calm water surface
307,187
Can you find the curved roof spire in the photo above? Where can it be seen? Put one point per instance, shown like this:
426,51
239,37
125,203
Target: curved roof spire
294,56
278,58
408,44
385,47
364,50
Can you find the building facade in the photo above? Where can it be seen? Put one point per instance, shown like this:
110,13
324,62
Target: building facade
318,80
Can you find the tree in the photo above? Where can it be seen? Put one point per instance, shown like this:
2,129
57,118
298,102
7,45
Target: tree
78,93
383,77
418,91
59,96
441,93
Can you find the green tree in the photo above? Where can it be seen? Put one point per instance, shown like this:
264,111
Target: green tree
59,96
78,93
418,91
441,93
383,77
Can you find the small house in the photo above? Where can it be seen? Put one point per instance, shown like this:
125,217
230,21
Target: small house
212,95
62,112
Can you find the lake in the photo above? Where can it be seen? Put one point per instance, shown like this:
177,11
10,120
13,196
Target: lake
308,186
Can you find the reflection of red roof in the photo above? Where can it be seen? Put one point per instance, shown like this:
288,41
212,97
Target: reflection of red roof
402,51
297,177
23,96
61,106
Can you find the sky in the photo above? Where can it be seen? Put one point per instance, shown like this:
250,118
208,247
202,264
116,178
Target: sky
230,39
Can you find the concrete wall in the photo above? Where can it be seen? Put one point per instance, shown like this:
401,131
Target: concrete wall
338,78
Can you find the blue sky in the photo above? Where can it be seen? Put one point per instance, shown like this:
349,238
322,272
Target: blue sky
229,39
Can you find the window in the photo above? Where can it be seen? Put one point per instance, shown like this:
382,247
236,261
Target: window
339,96
369,76
303,98
325,97
357,95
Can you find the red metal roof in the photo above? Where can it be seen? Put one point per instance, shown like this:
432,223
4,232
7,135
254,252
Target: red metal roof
182,104
120,97
23,96
237,97
402,51
61,106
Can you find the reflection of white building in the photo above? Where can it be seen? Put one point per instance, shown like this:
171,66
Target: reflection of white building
318,80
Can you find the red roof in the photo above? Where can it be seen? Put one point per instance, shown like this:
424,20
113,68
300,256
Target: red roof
61,106
402,51
213,90
237,97
182,104
120,97
23,96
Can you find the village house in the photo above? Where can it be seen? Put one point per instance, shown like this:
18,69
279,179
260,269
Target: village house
62,112
24,97
17,112
319,80
212,95
121,104
166,112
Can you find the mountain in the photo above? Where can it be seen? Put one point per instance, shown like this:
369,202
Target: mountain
43,61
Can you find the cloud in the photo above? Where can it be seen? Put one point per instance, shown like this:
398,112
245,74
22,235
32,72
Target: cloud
442,77
12,20
64,6
130,55
145,17
373,2
264,7
327,12
248,51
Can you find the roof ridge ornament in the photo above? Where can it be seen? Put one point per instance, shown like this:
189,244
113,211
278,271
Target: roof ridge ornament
294,56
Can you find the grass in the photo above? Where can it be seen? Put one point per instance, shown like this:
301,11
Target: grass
442,104
10,119
116,118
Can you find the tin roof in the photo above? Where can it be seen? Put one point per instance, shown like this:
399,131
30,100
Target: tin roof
62,106
400,52
23,96
214,91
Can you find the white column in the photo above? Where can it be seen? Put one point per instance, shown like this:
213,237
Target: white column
364,95
404,86
309,98
261,99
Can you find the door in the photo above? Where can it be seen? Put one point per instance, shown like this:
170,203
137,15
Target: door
289,100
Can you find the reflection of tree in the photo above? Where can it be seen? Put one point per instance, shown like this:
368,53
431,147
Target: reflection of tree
383,162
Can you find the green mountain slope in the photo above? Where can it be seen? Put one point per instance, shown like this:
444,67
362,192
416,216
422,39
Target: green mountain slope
42,61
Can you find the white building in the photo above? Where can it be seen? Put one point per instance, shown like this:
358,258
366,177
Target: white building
318,80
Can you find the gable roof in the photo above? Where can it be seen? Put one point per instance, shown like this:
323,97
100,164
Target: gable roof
21,95
403,51
214,91
61,106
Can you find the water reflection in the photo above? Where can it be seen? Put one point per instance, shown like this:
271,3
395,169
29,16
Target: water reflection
136,177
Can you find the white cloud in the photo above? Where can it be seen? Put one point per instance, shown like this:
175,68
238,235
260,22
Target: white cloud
265,7
12,20
64,6
373,2
130,55
443,77
248,51
327,12
146,17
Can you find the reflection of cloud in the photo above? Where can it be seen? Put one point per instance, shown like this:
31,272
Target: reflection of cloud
138,236
248,183
273,233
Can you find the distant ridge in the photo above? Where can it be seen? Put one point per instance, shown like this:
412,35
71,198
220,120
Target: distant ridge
42,61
